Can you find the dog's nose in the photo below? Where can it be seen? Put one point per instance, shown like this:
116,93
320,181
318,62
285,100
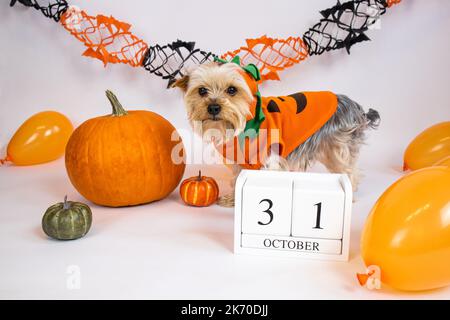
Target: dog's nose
214,109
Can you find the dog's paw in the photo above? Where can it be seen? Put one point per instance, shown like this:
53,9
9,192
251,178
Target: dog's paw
276,163
226,201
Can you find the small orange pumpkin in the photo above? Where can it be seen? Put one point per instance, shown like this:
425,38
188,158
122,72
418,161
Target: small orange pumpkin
125,158
199,191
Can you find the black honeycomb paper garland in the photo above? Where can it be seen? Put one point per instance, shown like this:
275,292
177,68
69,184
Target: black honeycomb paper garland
52,10
342,26
170,61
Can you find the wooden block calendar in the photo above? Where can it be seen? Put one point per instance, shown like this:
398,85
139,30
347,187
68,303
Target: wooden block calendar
293,214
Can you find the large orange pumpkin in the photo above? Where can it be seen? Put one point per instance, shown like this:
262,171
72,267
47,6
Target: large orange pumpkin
124,158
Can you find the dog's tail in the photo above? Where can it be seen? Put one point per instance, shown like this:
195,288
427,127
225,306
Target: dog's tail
373,118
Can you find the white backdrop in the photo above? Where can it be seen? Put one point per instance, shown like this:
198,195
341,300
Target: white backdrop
404,73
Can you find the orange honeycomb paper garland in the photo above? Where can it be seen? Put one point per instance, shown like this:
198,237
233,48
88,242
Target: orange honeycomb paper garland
271,55
111,41
390,3
106,38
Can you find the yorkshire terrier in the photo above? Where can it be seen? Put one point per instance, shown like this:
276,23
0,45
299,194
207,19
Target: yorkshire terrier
303,128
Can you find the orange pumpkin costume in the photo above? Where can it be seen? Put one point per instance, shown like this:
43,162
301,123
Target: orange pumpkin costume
277,124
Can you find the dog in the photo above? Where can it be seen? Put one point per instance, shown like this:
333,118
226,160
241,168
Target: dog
224,97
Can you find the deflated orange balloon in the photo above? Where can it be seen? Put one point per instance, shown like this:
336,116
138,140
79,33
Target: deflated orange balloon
430,146
41,138
407,233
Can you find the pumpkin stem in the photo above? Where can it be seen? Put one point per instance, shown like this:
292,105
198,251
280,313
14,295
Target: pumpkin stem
199,175
4,160
66,204
117,108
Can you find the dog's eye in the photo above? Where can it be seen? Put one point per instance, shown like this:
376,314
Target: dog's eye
231,91
202,91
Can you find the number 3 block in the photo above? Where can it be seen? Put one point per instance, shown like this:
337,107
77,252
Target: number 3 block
267,207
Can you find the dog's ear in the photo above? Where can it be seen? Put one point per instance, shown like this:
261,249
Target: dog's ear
181,83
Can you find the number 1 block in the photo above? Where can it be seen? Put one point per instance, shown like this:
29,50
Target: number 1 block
267,207
318,209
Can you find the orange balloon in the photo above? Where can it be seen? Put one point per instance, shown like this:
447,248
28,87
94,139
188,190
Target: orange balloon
443,162
41,138
407,233
429,146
